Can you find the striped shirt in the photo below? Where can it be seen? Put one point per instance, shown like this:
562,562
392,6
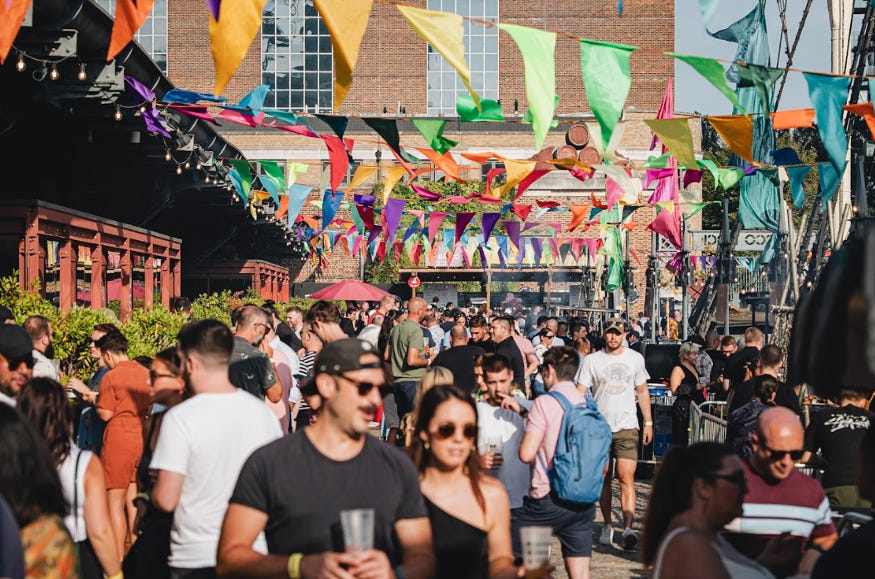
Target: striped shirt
796,504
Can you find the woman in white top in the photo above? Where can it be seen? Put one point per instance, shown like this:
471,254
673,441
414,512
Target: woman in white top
698,489
44,403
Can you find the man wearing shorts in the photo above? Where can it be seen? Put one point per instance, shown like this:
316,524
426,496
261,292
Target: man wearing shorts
616,376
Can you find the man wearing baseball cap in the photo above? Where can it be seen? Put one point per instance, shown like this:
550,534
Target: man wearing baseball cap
616,377
294,489
16,361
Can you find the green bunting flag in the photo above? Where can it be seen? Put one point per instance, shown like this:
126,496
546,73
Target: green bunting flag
761,78
538,48
607,80
490,111
714,73
432,131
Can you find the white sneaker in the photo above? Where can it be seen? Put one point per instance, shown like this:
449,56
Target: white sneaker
630,539
607,537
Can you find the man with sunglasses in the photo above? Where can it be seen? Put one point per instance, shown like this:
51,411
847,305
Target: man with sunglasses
16,361
784,509
295,489
251,369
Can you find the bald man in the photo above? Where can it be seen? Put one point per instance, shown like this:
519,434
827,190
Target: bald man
459,358
408,355
781,502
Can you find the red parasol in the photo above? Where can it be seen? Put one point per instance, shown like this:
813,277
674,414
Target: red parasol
350,289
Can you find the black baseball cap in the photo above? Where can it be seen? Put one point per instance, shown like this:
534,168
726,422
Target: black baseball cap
344,356
15,343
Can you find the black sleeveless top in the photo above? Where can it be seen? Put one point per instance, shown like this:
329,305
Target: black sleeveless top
687,389
460,548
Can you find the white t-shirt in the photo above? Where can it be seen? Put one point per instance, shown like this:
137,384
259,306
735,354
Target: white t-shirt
508,427
294,362
612,379
207,439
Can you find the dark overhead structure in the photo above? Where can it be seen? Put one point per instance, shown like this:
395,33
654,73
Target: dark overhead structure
71,134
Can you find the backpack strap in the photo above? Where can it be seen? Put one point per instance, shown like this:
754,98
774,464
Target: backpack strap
562,400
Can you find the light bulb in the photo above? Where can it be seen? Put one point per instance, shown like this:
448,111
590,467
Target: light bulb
118,114
187,165
82,74
215,181
207,179
20,65
53,72
167,156
179,169
142,109
198,166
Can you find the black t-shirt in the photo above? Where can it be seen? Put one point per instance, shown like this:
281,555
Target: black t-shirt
250,368
286,334
302,492
744,392
460,361
849,557
511,351
347,326
837,433
719,361
487,345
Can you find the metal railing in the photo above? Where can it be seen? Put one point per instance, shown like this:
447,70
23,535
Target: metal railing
708,422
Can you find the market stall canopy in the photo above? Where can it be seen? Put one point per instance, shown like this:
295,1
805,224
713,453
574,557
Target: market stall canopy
350,289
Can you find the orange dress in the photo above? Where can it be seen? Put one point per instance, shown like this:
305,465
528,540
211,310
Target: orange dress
125,391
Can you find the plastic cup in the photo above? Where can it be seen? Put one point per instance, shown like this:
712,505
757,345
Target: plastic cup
536,546
358,529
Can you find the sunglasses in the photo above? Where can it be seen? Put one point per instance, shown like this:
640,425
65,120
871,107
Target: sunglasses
548,336
776,455
445,431
15,363
737,479
364,388
154,376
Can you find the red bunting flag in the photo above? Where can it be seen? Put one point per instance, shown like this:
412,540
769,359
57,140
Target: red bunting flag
522,211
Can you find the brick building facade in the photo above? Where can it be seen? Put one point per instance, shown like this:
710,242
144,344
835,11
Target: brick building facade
392,73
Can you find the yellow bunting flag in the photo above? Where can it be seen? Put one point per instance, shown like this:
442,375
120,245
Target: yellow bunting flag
231,36
346,21
516,172
675,135
362,172
666,206
445,32
393,175
737,132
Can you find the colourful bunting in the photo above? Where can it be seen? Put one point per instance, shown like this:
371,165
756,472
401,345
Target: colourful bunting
231,35
241,166
297,196
713,72
198,112
346,21
488,222
513,232
129,16
517,171
489,111
792,119
445,33
828,94
239,118
828,179
606,79
538,49
338,158
214,7
432,131
393,175
522,211
434,222
797,176
762,79
785,156
675,135
392,217
578,214
737,132
444,162
462,221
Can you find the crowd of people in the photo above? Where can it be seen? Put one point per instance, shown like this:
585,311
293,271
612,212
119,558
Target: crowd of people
236,452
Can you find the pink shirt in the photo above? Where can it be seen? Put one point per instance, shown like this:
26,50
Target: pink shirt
546,417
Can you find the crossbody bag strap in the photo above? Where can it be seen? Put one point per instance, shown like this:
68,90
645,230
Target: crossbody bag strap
76,490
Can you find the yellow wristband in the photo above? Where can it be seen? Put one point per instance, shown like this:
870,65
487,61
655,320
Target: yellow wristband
119,575
295,565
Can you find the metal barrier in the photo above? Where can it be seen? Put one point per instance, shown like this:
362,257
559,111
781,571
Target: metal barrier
708,422
851,521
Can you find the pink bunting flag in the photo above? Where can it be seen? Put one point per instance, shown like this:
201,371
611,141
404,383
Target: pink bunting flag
240,118
198,112
593,244
416,253
656,174
554,245
302,130
692,176
462,220
457,200
577,247
613,192
434,222
665,111
425,193
581,174
338,158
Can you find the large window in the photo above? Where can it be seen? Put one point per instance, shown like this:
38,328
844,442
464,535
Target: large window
481,52
152,35
296,57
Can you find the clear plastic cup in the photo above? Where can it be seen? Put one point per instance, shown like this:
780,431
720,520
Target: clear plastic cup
536,546
358,529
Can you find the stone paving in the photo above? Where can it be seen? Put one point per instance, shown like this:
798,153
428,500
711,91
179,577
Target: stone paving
611,562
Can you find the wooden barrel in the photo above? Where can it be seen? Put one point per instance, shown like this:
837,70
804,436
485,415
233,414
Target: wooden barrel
565,152
541,157
577,136
589,156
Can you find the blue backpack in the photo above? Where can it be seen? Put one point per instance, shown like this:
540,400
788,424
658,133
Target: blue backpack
581,452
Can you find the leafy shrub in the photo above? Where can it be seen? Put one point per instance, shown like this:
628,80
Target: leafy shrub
71,340
150,331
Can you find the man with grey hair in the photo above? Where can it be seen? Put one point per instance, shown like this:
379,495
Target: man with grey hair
371,332
251,368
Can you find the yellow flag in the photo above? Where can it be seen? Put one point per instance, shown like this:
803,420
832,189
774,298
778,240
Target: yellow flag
446,33
393,175
232,35
292,171
666,206
737,132
346,21
516,172
259,196
362,172
675,135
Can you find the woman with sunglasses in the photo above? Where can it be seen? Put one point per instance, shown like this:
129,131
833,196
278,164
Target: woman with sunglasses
43,402
469,511
697,490
434,376
87,425
686,387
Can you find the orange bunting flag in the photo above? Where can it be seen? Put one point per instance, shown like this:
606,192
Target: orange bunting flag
737,132
444,162
481,158
283,208
864,110
12,14
578,214
232,35
792,119
597,204
129,16
346,21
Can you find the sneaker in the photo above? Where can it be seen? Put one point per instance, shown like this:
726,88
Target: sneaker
630,539
607,537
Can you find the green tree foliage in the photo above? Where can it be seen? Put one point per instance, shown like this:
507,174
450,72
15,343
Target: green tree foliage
150,331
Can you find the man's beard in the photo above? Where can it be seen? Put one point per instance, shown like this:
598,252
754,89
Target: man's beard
50,351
